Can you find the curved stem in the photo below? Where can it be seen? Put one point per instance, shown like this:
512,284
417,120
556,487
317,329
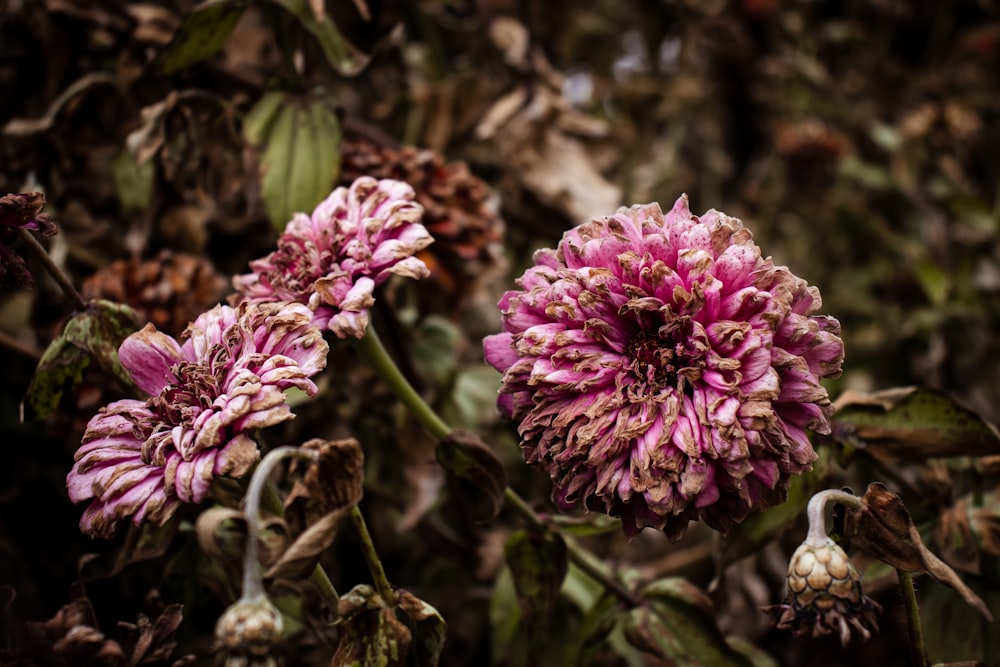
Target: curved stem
57,274
370,347
382,584
253,584
914,630
319,577
372,350
816,512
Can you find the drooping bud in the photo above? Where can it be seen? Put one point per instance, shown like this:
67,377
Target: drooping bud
825,595
250,634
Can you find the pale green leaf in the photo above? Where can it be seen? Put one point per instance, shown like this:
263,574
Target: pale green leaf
202,33
299,140
339,52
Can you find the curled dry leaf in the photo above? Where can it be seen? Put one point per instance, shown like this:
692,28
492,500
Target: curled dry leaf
333,481
882,526
319,501
300,558
404,631
970,533
222,533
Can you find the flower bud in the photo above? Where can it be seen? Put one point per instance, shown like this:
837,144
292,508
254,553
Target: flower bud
249,634
824,595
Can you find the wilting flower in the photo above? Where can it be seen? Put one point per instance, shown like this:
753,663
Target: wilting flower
333,260
825,595
20,211
226,377
661,370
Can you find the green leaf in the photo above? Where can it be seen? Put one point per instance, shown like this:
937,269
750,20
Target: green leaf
510,643
936,283
677,626
340,53
538,562
434,349
466,456
300,158
93,335
955,631
258,121
133,182
598,623
201,34
912,423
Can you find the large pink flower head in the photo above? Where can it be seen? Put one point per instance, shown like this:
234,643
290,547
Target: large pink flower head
662,371
333,260
227,377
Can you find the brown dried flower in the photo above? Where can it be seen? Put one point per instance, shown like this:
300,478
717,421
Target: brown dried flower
170,290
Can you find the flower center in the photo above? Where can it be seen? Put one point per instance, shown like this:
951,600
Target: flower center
295,268
181,403
659,357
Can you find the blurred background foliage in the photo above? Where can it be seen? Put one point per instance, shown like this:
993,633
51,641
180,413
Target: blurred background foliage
859,140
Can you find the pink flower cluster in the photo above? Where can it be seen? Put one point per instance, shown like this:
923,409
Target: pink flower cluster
333,259
661,370
226,378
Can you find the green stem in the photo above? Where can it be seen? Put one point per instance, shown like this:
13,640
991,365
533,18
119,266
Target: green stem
382,584
914,630
261,494
372,350
57,274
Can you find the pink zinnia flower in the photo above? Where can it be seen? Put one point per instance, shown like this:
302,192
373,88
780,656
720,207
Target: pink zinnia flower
227,377
662,371
333,260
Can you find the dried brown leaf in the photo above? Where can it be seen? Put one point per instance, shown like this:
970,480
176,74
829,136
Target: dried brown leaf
882,526
300,558
221,532
333,481
424,477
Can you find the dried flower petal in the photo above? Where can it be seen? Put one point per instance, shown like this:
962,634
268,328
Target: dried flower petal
661,370
333,260
141,459
20,211
24,211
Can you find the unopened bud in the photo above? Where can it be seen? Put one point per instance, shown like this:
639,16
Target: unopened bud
825,595
249,634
